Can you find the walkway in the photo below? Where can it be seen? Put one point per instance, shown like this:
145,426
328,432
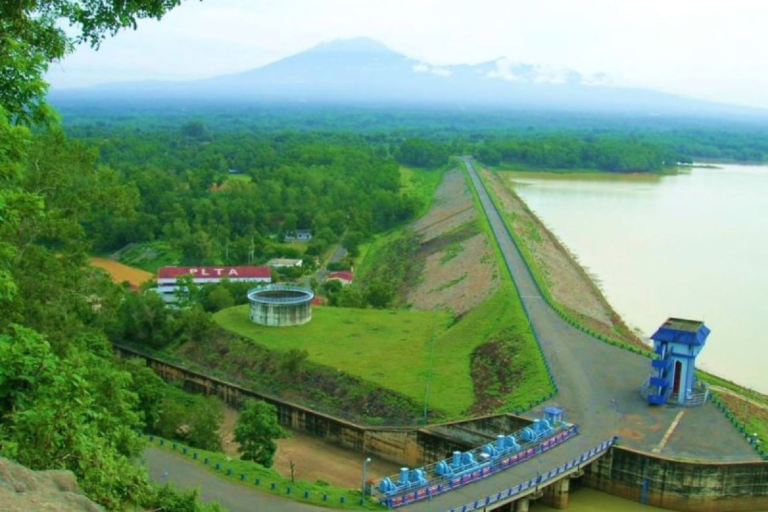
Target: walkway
234,497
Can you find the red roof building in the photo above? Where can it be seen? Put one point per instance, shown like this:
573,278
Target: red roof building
345,276
205,275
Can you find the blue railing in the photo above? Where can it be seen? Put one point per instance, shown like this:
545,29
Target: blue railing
433,489
538,480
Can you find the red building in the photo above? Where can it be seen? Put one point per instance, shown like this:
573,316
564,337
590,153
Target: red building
343,276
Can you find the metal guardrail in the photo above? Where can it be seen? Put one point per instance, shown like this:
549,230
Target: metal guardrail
535,483
433,488
698,396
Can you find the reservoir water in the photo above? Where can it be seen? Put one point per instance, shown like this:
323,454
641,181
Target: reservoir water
589,500
691,245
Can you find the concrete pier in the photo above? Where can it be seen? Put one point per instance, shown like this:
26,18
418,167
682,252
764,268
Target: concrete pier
557,495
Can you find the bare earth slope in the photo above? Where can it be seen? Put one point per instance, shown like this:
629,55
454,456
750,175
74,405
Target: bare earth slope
459,271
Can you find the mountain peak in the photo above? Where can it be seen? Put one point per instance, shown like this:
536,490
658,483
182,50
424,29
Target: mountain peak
352,45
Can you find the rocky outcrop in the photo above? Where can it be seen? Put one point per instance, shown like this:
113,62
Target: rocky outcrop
24,490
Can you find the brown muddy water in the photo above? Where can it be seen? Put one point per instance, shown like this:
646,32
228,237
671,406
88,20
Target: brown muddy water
589,500
691,245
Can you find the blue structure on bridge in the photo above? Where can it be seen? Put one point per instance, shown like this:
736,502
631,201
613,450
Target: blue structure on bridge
676,344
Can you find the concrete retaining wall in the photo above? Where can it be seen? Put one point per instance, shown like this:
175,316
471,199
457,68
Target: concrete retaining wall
671,484
407,446
680,485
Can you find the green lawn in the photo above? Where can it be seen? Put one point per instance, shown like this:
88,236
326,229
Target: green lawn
387,347
392,347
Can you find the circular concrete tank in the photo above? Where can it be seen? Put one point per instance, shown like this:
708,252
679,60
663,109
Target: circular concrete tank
281,305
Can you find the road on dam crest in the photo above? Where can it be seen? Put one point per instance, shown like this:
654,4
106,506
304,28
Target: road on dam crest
598,387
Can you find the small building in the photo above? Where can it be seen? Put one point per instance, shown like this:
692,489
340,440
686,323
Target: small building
300,235
342,276
167,276
676,345
284,263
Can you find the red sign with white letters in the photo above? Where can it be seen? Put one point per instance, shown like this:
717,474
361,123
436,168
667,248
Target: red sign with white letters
214,272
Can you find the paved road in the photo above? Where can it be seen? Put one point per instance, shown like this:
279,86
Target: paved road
598,388
185,474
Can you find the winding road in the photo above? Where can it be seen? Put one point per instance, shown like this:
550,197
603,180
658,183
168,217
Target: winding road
598,388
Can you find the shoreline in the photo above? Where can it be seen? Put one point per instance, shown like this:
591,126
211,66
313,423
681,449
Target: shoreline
617,327
741,400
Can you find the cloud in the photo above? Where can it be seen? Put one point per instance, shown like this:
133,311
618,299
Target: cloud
505,69
435,70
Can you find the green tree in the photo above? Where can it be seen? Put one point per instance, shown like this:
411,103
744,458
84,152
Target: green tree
189,418
31,38
75,413
256,430
216,298
168,499
378,294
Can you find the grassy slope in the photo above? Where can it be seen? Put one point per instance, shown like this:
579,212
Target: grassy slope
418,183
388,347
392,348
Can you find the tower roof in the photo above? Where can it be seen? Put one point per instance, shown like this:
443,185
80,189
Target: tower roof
680,330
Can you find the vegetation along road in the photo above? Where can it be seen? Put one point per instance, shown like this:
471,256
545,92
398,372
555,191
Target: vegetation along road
598,388
165,466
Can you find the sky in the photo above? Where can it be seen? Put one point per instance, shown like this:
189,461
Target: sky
707,49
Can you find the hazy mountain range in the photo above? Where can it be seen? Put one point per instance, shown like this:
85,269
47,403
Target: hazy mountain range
363,71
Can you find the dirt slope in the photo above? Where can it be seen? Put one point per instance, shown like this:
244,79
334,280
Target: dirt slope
459,268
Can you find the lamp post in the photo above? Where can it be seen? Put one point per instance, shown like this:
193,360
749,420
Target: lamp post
365,469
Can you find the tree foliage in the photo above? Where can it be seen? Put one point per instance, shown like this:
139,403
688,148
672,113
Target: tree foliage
329,184
607,153
421,152
31,38
256,430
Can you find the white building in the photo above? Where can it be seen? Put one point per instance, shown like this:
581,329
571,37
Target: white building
284,262
300,235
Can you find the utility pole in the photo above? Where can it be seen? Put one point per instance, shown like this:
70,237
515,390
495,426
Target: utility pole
365,468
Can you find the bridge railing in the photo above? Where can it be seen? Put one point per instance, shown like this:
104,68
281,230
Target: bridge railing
440,485
537,481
